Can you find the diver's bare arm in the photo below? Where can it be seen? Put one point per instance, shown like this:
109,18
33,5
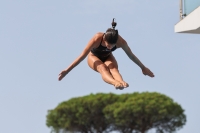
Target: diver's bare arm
134,58
130,54
76,62
92,43
128,51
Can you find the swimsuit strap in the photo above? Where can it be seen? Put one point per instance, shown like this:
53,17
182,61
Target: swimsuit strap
102,39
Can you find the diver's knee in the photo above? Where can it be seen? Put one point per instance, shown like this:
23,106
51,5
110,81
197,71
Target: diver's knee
101,68
114,70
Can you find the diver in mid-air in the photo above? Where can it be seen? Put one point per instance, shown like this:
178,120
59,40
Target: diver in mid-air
100,58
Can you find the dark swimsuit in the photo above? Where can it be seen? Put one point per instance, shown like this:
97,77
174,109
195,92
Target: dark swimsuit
103,52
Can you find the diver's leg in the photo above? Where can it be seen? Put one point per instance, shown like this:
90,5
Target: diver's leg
111,63
97,65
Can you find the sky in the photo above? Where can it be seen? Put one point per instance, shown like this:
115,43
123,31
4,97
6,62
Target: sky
40,38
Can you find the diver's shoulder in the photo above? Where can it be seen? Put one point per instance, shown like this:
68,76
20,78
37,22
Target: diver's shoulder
98,36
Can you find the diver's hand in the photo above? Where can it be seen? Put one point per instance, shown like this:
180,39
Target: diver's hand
62,75
146,71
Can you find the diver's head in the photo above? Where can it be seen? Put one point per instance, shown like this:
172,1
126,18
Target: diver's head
111,35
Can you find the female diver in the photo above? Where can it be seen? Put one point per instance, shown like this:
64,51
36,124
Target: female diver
100,58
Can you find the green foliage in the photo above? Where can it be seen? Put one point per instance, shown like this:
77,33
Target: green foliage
83,114
145,111
126,113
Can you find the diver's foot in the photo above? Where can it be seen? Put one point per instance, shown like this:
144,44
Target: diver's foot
118,85
125,85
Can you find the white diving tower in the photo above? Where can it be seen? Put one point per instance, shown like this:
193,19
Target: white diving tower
189,17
